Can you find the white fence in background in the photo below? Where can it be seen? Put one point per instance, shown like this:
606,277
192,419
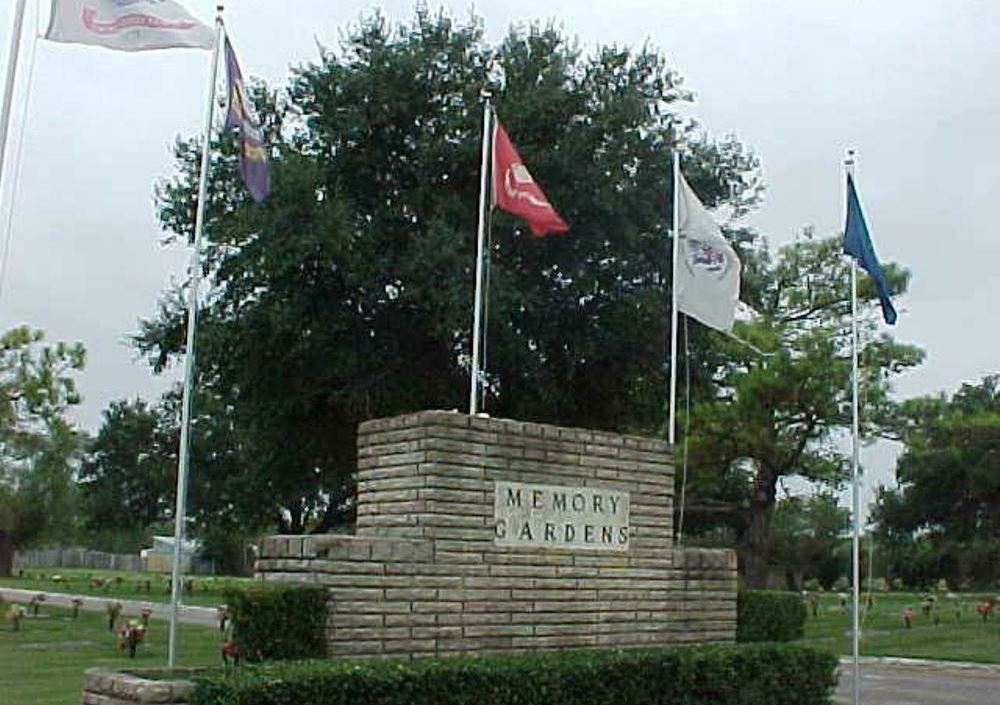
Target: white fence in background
75,558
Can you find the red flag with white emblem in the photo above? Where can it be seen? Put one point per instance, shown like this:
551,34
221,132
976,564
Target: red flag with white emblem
515,191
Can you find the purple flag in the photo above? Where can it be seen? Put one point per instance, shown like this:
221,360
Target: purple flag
253,154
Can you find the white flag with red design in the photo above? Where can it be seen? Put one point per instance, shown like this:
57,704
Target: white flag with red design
127,25
515,191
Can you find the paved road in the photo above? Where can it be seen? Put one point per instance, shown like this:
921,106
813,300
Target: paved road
911,682
130,608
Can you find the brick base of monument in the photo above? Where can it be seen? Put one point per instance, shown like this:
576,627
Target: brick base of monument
481,535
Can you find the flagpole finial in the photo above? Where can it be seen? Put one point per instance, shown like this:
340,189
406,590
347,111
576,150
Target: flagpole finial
485,94
850,158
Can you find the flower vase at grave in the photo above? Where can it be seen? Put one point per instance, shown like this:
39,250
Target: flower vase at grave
114,610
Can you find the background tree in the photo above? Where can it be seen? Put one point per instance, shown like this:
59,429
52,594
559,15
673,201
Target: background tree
38,445
807,531
943,519
127,477
348,294
781,414
129,473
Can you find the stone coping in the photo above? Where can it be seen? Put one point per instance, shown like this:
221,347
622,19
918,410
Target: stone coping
483,422
152,686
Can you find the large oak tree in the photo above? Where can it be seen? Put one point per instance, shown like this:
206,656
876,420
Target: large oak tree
348,294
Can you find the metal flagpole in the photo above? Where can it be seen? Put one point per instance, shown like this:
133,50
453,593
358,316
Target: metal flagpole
671,432
477,316
487,273
183,459
8,88
855,490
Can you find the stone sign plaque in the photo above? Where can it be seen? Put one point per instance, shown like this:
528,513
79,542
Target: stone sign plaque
548,516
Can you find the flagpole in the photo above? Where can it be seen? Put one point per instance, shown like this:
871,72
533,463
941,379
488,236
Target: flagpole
855,454
477,315
8,88
183,459
671,432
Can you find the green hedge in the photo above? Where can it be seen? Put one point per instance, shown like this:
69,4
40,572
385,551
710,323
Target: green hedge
755,674
275,622
769,616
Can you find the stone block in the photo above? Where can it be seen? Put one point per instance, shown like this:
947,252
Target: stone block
409,646
554,642
379,474
497,630
435,606
467,460
412,619
372,633
463,435
477,645
376,438
448,482
437,632
384,449
461,618
354,649
371,606
467,517
459,557
350,620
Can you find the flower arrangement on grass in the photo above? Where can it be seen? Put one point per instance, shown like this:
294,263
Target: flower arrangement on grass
15,613
231,655
985,608
130,636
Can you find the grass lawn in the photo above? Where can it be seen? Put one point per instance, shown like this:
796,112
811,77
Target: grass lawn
43,664
959,635
122,584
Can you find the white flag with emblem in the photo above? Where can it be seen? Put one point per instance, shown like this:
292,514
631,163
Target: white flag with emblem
127,25
707,273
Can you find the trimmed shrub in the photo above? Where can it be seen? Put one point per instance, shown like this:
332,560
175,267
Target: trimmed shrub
762,615
276,622
755,674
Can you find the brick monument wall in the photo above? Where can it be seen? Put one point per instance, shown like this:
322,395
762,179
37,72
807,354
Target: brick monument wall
488,535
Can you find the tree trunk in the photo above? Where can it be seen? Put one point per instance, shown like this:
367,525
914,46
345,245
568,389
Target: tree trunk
6,555
756,543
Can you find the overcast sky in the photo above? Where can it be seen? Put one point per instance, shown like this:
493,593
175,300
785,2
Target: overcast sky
912,85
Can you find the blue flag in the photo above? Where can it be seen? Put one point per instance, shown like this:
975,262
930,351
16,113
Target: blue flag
858,244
